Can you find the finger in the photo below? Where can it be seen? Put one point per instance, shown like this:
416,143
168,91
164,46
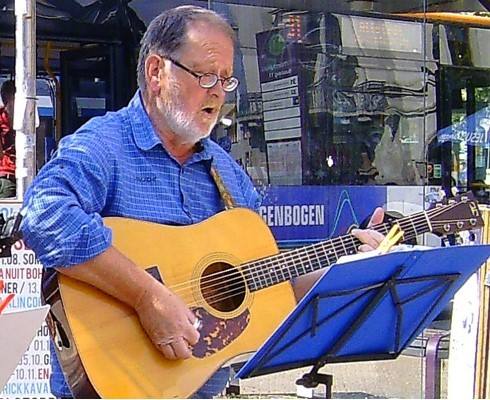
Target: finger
193,337
368,236
167,351
191,316
181,348
365,247
192,333
377,217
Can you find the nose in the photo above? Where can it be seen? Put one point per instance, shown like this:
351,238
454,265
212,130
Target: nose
217,90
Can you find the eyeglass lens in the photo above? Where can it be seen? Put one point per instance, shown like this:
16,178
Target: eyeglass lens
209,80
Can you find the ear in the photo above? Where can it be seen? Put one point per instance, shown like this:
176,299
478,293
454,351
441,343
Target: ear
154,72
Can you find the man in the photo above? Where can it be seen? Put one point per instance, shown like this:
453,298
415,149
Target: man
7,141
150,161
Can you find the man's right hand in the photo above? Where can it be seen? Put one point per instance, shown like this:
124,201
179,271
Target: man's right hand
167,321
163,315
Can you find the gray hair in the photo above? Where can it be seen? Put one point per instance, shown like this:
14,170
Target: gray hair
167,33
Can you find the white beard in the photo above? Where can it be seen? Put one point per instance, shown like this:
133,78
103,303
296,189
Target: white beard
179,121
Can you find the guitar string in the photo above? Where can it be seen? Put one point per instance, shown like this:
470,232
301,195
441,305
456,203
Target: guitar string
238,277
285,259
419,219
285,266
292,254
232,292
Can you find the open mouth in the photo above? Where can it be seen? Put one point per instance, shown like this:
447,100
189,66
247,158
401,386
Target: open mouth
209,110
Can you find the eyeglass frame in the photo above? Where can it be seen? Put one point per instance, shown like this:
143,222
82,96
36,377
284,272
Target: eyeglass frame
199,76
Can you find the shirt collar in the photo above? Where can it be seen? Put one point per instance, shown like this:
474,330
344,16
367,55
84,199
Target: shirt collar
145,135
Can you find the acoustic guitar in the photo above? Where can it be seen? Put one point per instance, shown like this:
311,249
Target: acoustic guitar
227,269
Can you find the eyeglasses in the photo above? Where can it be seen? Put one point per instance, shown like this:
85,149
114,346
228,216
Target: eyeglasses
208,80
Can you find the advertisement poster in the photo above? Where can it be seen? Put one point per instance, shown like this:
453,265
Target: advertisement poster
300,215
21,274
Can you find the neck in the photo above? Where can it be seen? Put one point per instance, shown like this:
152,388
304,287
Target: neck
180,151
175,146
288,265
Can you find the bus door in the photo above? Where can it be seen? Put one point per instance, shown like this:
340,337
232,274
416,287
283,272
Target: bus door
93,80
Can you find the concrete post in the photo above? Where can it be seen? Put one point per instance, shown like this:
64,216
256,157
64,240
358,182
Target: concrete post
25,98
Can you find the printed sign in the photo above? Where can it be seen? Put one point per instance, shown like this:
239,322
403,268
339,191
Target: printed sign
21,274
304,214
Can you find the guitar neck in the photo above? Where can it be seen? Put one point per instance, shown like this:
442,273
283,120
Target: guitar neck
288,265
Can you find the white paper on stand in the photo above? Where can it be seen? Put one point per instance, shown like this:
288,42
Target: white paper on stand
17,329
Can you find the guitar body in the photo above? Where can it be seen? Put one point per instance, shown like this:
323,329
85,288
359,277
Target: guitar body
118,357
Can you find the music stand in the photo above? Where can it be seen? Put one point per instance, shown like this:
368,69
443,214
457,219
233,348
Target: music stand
369,309
17,329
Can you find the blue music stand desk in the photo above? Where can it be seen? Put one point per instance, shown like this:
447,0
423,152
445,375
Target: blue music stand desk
368,309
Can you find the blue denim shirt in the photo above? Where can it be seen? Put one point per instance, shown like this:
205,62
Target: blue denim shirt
115,165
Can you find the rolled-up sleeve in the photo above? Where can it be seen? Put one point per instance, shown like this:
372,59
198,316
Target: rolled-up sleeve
62,221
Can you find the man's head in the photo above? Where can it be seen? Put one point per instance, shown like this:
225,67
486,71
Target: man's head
7,92
185,67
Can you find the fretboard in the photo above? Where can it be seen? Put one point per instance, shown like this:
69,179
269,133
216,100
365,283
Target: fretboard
288,265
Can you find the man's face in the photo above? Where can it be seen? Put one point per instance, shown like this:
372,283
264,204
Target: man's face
189,110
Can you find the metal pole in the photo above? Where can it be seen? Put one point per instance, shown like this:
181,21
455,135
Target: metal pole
25,96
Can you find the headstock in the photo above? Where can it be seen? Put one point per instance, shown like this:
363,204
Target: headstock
459,213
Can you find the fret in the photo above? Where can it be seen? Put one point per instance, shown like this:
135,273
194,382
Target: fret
320,264
285,268
354,244
429,225
263,277
250,277
270,273
302,263
260,275
343,245
310,264
296,271
383,229
335,251
255,275
328,253
267,275
279,270
274,269
414,227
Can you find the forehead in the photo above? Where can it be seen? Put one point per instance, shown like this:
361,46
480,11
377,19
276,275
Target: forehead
206,43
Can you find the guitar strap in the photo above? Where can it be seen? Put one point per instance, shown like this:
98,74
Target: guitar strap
224,193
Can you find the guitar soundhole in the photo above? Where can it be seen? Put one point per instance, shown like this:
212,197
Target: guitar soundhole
223,287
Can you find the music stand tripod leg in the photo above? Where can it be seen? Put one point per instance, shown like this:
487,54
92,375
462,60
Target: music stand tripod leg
313,378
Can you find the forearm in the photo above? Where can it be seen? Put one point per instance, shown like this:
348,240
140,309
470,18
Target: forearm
304,283
114,274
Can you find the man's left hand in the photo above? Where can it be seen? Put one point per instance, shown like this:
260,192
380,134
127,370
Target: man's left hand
370,238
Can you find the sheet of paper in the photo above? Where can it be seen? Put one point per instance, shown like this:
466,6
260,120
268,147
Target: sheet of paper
17,329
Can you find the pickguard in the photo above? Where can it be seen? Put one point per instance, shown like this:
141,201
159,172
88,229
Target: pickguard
217,333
